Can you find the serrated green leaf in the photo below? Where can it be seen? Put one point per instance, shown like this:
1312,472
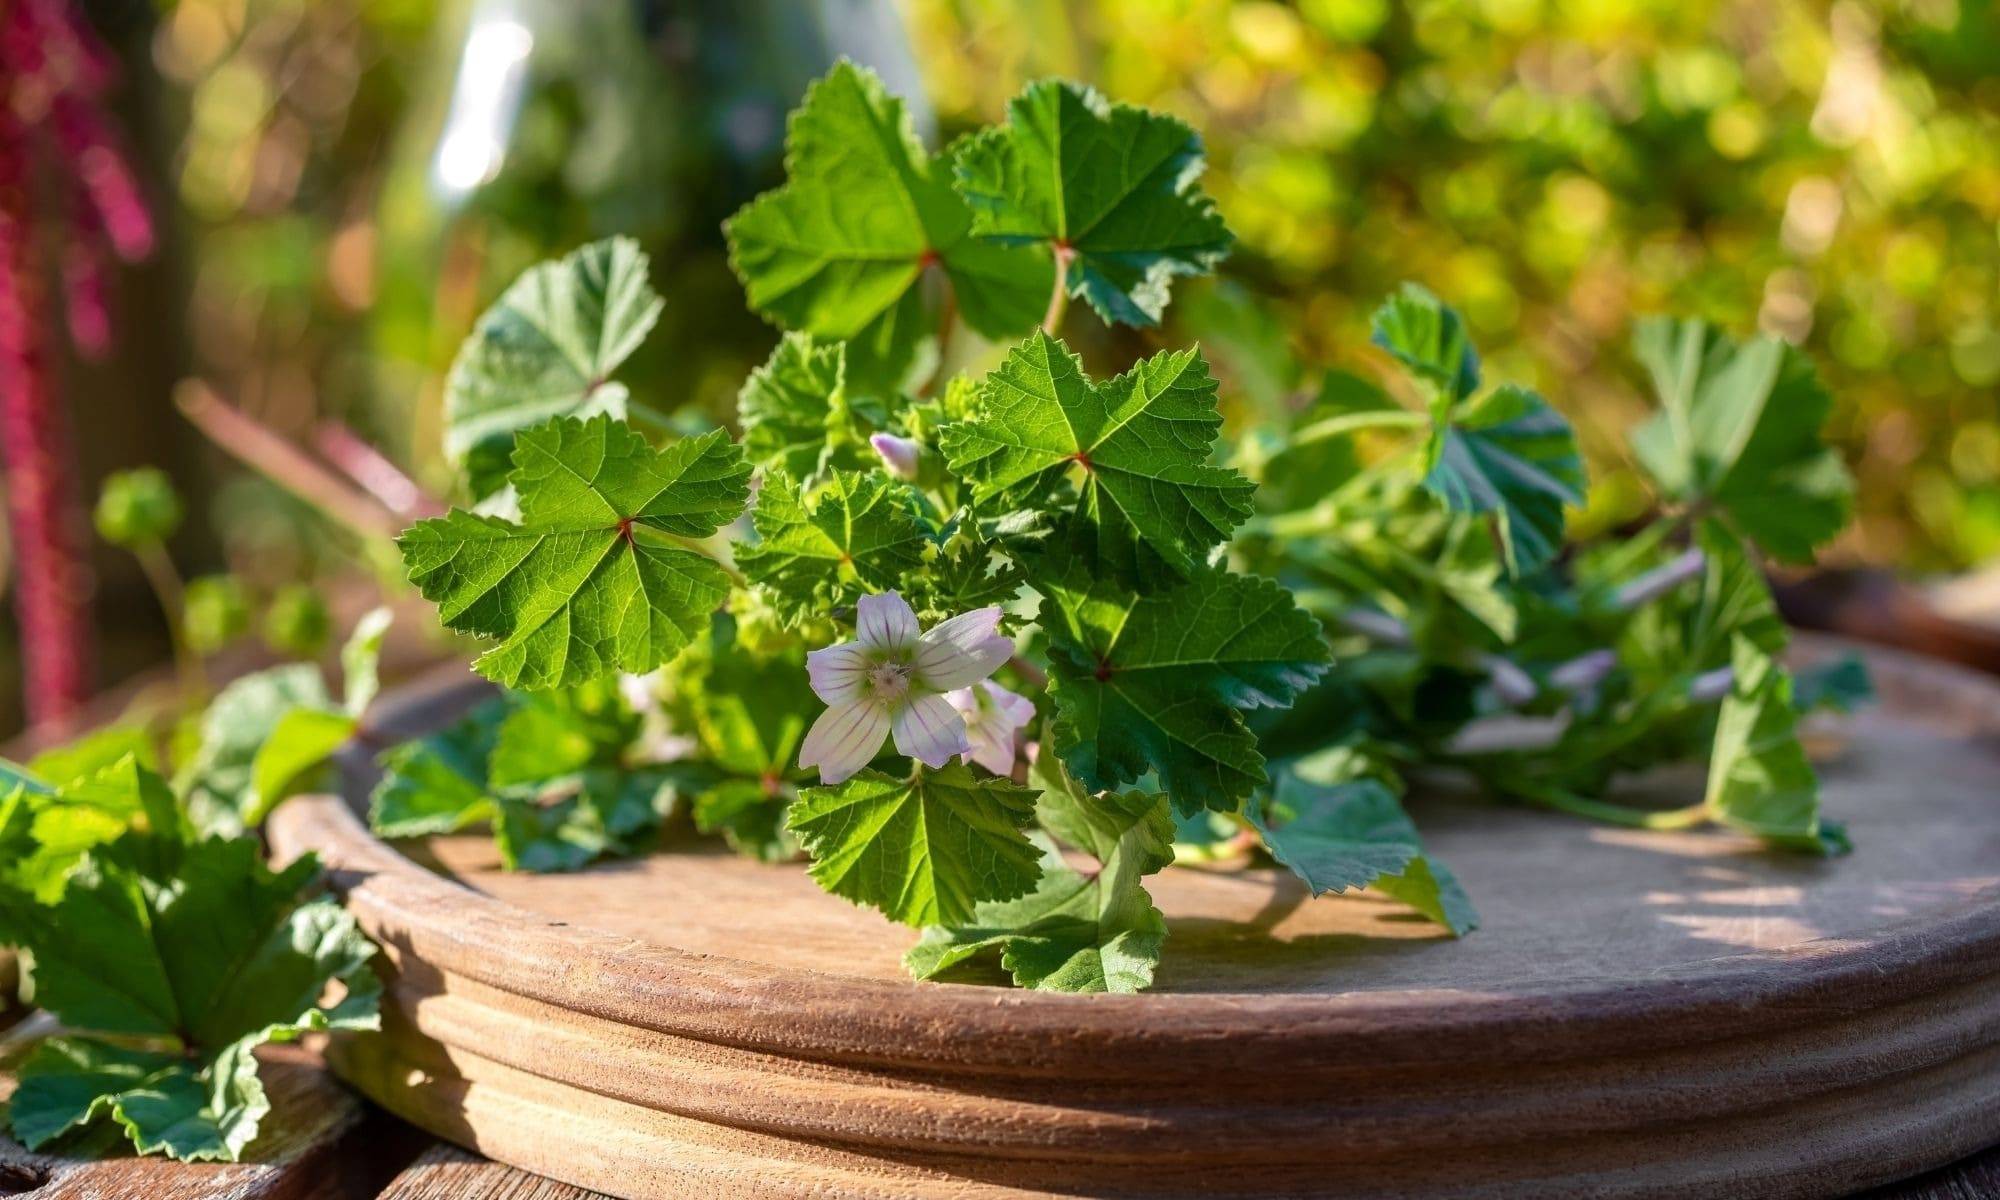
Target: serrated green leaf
924,850
1510,455
1078,931
43,835
1759,780
1427,336
203,967
840,251
547,349
1740,426
1114,186
553,734
580,588
960,577
1355,834
856,535
602,812
91,753
1141,443
437,784
798,417
1155,682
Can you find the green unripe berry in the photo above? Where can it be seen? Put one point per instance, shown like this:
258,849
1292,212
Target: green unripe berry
297,622
138,508
214,612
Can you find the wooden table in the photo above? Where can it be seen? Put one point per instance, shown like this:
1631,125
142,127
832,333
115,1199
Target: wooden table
327,1145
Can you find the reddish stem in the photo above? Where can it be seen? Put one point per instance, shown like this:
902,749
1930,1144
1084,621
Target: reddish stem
283,463
370,468
50,579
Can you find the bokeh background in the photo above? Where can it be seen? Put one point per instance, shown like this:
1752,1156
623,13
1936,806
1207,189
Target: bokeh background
342,185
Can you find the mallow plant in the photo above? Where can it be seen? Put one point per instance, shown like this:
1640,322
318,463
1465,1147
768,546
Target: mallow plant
988,636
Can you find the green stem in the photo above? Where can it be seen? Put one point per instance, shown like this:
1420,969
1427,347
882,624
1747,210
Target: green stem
168,590
1059,295
1346,423
1618,814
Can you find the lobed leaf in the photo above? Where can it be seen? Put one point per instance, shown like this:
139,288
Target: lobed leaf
924,850
575,590
1113,187
547,349
1141,442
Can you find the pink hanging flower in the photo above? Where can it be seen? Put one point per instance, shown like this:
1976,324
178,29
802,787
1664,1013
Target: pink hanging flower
891,681
993,719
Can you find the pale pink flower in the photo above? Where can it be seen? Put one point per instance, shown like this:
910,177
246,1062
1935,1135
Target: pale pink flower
891,680
993,719
899,454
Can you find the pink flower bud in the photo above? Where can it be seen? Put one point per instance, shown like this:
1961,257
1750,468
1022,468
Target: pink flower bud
899,454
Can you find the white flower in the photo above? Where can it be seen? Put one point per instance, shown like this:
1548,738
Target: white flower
892,680
993,719
899,454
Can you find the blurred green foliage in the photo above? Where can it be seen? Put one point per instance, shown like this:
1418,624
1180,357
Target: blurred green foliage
1827,173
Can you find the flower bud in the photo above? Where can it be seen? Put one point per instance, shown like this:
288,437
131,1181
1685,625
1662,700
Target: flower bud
900,455
138,508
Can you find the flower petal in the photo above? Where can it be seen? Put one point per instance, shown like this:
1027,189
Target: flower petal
885,622
962,651
838,673
1016,708
930,731
846,738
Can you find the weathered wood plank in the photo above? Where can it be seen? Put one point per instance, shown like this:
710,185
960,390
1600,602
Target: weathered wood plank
319,1143
449,1173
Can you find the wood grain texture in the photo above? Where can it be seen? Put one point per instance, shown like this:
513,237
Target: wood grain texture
298,1155
1641,1016
449,1173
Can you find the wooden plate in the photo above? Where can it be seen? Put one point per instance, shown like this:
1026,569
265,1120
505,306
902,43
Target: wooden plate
1642,1015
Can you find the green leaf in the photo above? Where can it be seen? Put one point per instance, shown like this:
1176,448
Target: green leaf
1355,834
841,249
1837,684
43,835
546,349
93,752
1112,185
1511,455
750,815
1426,336
205,966
1154,683
293,758
1759,780
1140,442
437,784
857,535
217,780
1739,425
603,812
923,850
1095,931
361,660
555,734
797,415
582,586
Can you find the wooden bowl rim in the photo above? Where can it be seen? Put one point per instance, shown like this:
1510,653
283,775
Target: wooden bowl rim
757,1004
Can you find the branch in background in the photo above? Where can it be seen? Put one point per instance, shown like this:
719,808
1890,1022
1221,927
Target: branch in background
262,449
370,468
